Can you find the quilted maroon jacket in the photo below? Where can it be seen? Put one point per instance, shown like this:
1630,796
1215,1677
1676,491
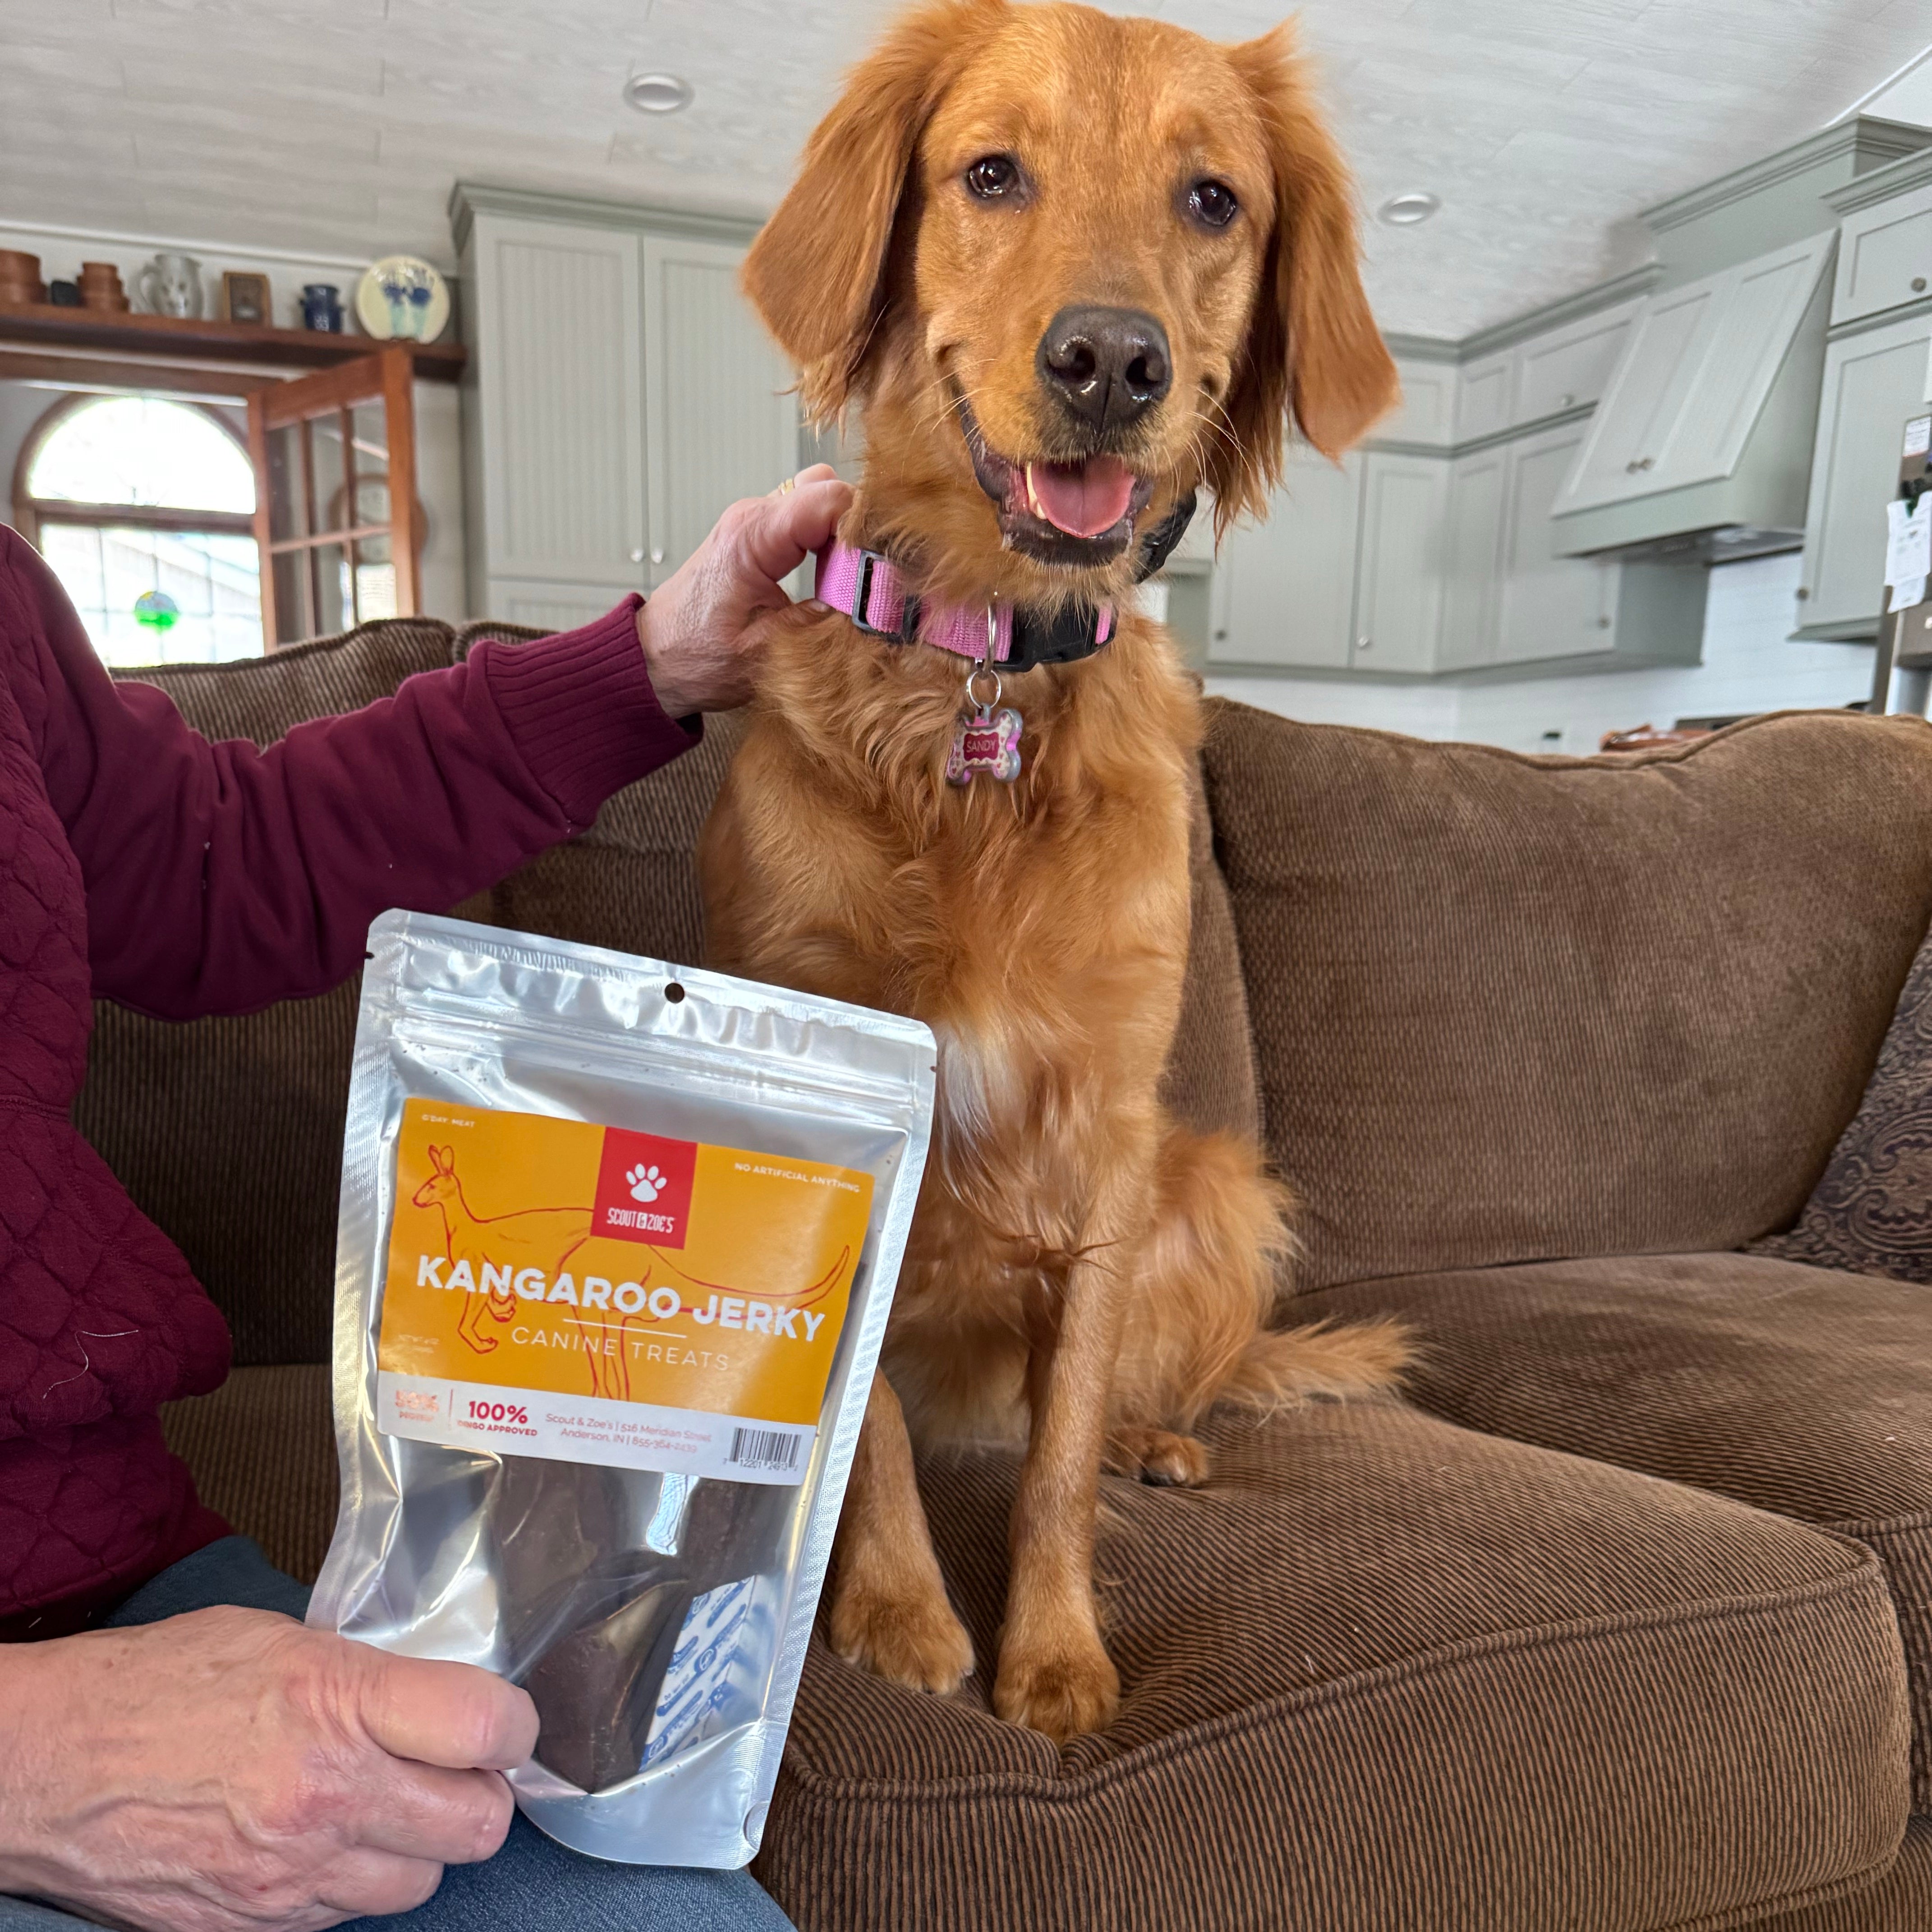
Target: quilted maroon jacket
140,861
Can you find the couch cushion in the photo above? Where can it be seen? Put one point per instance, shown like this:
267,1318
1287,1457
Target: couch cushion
1796,1389
1382,1673
1509,1008
1872,1209
262,1450
1901,1901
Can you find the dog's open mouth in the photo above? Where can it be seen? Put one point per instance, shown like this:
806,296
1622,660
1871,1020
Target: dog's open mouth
1077,513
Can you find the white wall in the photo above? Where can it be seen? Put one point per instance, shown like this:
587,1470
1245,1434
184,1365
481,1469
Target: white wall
1749,664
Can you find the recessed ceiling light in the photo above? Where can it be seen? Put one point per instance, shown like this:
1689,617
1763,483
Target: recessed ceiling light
1405,211
658,93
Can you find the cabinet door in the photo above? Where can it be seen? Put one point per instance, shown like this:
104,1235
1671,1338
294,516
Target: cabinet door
1398,578
1478,501
721,423
1568,368
1884,257
1762,311
1873,382
1427,411
550,606
1662,360
1285,590
1482,396
559,373
1552,606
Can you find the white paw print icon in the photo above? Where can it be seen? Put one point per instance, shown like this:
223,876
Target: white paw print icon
647,1183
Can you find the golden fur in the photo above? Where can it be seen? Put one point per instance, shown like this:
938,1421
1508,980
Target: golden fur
1086,1277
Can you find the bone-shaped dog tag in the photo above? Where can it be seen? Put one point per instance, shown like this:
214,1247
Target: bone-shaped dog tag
989,741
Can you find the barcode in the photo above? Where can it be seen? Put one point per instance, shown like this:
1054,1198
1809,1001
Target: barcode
765,1448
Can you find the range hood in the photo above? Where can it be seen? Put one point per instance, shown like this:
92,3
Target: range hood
1704,434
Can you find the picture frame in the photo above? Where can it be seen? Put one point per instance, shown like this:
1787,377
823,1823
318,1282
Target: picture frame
244,298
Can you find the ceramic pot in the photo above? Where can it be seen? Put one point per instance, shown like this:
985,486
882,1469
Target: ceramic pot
20,278
100,286
171,285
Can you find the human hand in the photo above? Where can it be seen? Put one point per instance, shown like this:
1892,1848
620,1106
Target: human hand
700,631
232,1771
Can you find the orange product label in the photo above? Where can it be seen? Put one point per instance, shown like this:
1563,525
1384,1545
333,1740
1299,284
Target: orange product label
593,1294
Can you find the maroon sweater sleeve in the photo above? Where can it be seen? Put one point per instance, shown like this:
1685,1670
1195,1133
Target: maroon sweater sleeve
220,878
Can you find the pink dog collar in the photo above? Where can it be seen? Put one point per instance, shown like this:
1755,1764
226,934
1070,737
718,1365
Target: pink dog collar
867,587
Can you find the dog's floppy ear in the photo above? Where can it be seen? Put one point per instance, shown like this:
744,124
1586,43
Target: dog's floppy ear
1313,345
816,271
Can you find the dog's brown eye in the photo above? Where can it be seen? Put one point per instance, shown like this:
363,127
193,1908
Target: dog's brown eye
992,176
1212,203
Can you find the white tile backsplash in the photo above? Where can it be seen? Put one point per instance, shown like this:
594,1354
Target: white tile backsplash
1749,665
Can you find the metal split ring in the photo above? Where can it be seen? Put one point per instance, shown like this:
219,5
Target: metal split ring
981,668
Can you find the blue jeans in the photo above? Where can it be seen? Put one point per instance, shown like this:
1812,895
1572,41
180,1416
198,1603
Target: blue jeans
533,1884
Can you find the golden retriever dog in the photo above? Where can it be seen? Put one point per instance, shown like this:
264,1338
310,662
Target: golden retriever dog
1070,268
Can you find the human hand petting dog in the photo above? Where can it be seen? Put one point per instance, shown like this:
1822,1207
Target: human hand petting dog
702,638
232,1771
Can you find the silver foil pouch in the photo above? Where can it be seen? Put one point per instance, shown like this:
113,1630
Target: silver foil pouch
618,1242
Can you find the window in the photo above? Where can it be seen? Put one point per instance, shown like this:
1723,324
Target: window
145,509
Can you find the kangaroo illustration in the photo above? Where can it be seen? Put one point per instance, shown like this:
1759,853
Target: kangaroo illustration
539,1238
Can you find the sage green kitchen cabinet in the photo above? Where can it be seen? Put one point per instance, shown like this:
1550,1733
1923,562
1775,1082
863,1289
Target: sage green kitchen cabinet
620,394
1568,368
1482,398
1401,563
720,419
1873,380
1284,590
1550,605
1885,257
555,409
1474,523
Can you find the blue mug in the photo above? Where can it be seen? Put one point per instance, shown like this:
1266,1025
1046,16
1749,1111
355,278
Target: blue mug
322,307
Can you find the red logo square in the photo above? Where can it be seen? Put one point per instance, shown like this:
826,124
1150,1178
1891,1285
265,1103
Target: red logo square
643,1188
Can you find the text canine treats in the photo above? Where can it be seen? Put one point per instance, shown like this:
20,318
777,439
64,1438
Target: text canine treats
617,1246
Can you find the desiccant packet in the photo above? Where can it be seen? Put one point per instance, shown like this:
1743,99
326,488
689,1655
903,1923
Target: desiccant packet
617,1244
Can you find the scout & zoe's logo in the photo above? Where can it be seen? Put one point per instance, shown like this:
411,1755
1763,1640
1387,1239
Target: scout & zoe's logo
643,1188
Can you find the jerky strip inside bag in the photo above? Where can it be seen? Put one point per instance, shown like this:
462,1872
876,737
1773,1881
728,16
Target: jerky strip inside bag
618,1242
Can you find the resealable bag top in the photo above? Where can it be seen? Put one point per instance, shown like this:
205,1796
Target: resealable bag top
617,1245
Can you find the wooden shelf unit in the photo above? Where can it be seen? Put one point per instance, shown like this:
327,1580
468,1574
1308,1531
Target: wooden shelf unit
42,325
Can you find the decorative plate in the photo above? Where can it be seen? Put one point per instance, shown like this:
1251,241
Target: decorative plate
402,298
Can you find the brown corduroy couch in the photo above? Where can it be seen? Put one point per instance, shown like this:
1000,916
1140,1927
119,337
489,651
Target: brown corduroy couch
1623,1623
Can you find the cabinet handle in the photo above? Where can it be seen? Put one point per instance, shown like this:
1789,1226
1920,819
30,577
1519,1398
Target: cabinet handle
1918,285
1630,468
1603,623
637,555
1802,593
1363,643
1646,463
1566,400
657,556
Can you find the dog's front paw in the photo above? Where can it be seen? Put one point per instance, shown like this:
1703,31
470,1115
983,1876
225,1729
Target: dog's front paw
913,1639
1061,1693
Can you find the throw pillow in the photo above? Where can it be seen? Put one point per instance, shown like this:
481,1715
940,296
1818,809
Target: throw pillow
1872,1210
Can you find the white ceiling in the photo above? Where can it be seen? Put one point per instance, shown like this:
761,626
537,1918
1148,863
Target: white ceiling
338,126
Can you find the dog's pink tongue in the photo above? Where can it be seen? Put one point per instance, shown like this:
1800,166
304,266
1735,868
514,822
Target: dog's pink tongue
1082,499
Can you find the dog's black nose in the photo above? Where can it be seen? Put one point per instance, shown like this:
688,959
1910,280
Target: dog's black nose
1106,365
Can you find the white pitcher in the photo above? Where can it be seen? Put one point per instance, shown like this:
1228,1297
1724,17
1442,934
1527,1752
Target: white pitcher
171,285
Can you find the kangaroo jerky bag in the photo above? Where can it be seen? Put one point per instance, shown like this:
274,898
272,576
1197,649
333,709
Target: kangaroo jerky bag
617,1244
